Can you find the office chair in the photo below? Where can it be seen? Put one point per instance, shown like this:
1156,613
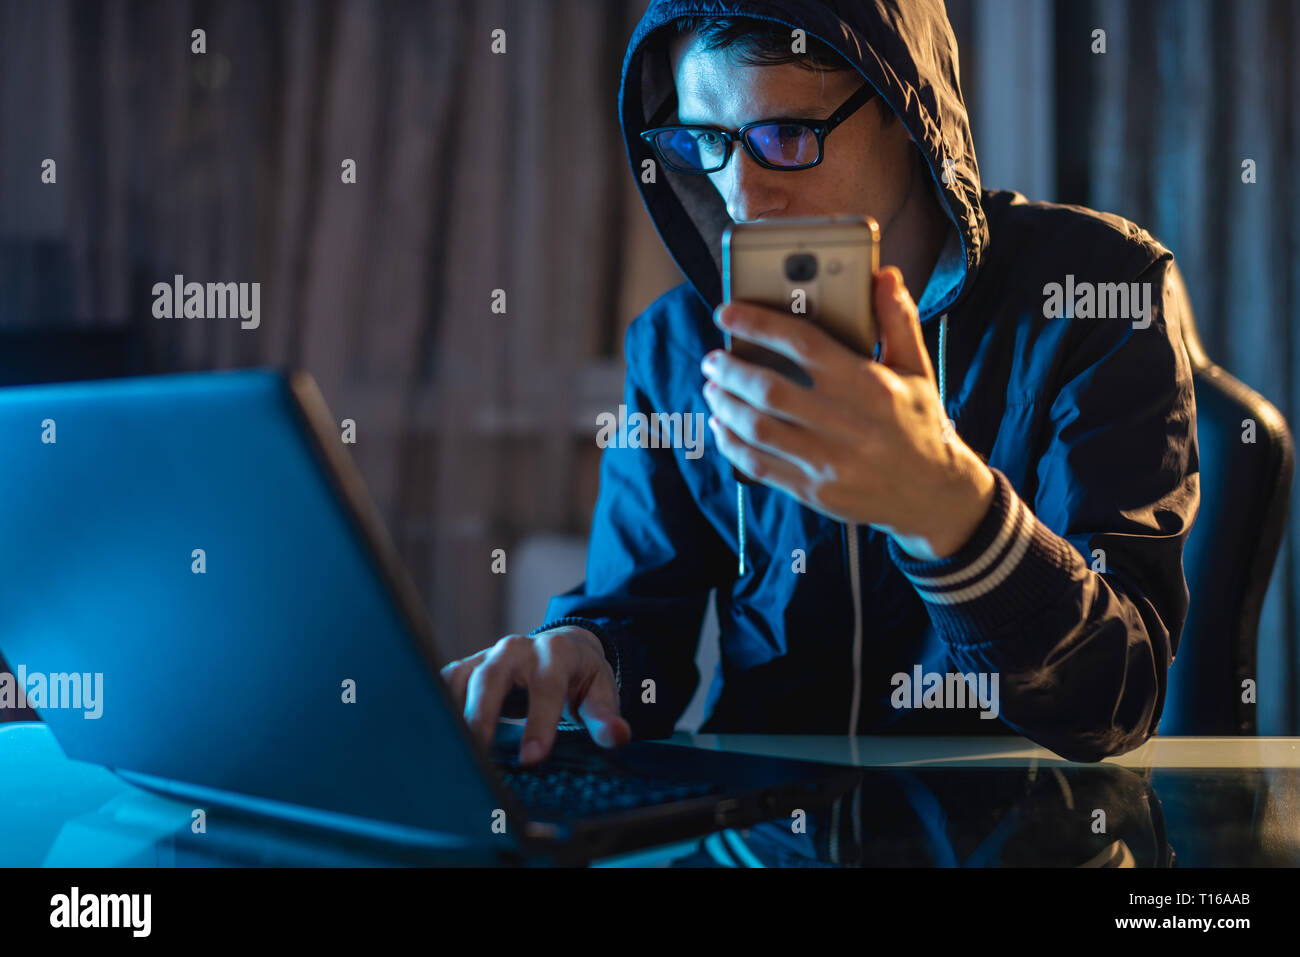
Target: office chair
1229,555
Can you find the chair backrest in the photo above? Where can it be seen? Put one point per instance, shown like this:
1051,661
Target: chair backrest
1228,560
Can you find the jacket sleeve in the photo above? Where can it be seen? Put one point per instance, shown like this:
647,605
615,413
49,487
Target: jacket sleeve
1077,600
653,557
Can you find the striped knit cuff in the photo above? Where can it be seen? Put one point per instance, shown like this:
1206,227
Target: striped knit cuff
1012,566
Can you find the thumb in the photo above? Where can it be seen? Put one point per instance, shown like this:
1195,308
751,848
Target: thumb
599,712
902,347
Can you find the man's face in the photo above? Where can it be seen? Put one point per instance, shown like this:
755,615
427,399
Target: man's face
865,162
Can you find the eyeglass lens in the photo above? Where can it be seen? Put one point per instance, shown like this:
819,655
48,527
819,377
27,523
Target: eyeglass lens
784,144
781,144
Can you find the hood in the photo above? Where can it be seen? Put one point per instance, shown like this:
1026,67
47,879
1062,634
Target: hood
904,48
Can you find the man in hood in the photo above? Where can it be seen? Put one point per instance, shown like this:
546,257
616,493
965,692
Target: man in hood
978,531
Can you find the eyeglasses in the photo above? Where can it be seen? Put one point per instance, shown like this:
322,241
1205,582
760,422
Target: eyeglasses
780,144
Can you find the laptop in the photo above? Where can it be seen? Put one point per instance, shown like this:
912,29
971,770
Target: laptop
197,592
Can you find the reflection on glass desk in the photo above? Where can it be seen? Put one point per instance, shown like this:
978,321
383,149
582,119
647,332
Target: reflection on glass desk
930,802
1006,802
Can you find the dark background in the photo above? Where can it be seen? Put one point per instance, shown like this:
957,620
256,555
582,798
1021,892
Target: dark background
479,171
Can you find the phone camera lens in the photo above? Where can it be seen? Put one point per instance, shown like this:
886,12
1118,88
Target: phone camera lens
800,267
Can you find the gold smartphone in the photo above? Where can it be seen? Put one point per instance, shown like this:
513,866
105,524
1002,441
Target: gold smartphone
816,268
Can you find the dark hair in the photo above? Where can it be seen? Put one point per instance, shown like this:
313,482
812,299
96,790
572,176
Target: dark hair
756,42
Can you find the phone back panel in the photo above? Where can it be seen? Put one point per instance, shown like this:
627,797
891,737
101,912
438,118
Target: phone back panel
819,268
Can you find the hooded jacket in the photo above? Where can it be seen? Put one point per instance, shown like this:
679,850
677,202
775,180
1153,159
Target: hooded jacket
1070,595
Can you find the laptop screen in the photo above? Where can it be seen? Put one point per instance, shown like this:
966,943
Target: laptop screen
185,593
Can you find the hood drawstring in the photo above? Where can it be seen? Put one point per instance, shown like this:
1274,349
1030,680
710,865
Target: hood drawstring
855,588
948,430
740,523
943,365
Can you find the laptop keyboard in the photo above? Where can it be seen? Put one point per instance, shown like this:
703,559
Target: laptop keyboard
580,791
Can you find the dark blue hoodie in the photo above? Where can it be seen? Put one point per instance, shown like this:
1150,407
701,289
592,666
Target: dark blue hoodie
1071,591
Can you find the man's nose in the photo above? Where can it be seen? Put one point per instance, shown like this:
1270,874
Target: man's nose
751,192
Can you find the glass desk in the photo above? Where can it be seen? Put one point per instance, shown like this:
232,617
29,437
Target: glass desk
942,802
1006,802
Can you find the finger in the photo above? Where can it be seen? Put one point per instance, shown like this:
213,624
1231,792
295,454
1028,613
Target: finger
546,698
757,464
511,661
598,711
764,388
902,346
759,429
455,676
545,708
797,339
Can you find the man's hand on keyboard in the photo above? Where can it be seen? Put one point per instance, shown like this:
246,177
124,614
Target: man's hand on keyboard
566,675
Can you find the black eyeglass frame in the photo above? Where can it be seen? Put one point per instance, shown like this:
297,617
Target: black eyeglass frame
819,128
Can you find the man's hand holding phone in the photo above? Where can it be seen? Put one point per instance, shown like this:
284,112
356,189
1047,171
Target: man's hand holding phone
867,442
